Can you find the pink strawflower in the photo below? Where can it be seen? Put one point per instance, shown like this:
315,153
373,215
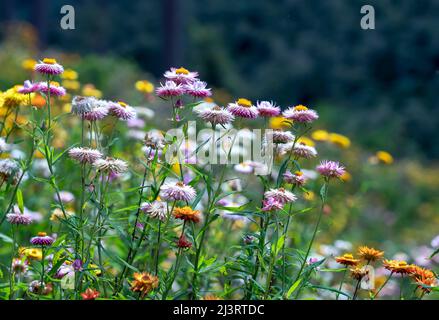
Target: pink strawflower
49,67
281,137
177,191
330,169
243,108
99,110
156,209
271,204
216,115
111,165
301,114
267,109
281,195
300,150
197,89
20,265
170,89
85,155
54,88
298,178
29,87
181,75
18,218
121,110
81,105
42,239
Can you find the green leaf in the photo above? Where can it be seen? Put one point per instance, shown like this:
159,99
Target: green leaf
5,238
330,289
323,192
293,288
20,200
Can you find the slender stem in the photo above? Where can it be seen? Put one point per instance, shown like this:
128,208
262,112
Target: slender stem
341,283
314,234
381,288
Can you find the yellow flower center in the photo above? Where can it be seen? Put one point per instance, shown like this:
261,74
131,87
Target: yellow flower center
180,184
122,104
49,61
182,71
300,108
298,173
348,256
244,102
216,108
42,234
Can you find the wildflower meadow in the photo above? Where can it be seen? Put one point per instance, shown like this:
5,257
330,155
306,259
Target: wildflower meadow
199,181
183,213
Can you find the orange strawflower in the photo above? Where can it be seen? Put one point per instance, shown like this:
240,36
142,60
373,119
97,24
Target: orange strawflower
397,266
187,214
90,294
358,273
348,260
144,283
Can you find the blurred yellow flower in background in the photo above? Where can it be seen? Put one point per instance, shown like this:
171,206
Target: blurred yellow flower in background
89,90
307,141
320,135
71,84
278,123
144,86
346,176
31,253
28,64
384,157
339,140
69,74
309,196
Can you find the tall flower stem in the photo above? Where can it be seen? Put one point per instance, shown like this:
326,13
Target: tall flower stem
341,283
323,195
176,267
381,288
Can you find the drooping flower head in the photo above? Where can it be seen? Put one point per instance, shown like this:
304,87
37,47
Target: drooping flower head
370,254
281,195
111,165
300,114
281,137
183,242
297,178
18,218
144,283
299,149
177,191
81,105
197,89
10,171
358,273
243,108
187,214
156,209
216,115
29,87
181,75
121,110
330,169
348,260
54,88
19,265
267,109
42,239
99,110
170,89
49,66
271,204
85,155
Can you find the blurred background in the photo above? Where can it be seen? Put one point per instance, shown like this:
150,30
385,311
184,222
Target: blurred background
376,87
